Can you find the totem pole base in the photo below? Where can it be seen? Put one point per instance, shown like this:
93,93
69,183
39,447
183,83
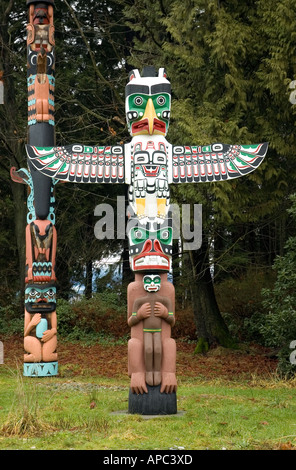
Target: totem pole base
40,369
153,402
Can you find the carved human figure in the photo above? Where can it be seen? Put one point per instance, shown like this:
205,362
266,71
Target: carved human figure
152,351
40,74
40,334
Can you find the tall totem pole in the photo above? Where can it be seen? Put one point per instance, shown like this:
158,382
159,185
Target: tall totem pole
40,330
148,164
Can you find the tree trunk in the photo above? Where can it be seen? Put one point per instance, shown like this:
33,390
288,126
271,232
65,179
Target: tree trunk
89,261
211,328
127,274
20,225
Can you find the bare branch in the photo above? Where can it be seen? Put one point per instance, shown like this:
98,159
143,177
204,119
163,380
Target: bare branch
98,73
8,9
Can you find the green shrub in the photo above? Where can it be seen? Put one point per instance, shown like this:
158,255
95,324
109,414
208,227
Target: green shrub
101,317
11,322
278,325
239,299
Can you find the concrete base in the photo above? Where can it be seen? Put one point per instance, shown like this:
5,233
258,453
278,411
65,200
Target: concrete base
179,414
153,402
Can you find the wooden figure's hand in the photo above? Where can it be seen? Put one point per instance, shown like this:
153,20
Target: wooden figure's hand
35,319
47,335
160,310
144,311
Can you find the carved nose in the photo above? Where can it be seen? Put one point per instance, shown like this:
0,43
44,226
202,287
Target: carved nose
147,245
157,246
152,245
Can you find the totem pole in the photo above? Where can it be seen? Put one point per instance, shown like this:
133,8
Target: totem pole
40,331
148,164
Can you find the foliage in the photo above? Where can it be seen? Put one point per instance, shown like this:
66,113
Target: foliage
219,57
101,318
91,44
240,300
278,325
11,322
230,64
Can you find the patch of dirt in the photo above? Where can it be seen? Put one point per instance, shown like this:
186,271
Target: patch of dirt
111,360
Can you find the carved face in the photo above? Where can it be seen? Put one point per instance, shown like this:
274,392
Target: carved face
151,164
152,282
40,298
40,15
148,104
150,250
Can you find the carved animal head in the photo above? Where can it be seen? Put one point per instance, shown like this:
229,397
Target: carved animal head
148,102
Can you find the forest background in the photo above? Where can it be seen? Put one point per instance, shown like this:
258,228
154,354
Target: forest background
230,64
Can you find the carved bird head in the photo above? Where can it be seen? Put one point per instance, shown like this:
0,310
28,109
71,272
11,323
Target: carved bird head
148,102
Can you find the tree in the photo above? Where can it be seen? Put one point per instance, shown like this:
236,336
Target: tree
91,43
225,76
12,139
278,325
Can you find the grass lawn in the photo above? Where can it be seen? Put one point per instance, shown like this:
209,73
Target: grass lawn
86,407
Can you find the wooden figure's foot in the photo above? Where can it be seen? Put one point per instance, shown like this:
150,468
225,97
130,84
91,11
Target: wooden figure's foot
156,378
149,378
138,384
168,383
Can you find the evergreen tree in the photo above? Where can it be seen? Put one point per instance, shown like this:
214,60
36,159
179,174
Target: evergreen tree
91,46
229,85
12,138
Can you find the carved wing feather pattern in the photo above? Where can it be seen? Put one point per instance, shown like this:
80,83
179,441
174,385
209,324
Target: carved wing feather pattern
80,164
215,162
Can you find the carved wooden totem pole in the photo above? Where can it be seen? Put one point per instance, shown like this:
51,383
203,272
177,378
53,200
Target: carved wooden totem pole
148,164
40,358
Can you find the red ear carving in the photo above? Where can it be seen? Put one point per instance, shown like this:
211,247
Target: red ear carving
134,74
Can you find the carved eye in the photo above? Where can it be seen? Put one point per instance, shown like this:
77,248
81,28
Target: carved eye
138,100
138,234
161,100
165,234
50,293
141,157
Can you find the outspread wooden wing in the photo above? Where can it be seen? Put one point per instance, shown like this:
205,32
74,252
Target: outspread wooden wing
79,163
216,162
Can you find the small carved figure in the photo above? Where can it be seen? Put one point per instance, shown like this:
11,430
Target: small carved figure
152,351
40,333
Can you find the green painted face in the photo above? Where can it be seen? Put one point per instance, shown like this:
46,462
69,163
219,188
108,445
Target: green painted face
140,235
137,103
152,282
150,250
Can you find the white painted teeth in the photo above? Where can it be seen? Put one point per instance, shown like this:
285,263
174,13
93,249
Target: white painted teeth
152,260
